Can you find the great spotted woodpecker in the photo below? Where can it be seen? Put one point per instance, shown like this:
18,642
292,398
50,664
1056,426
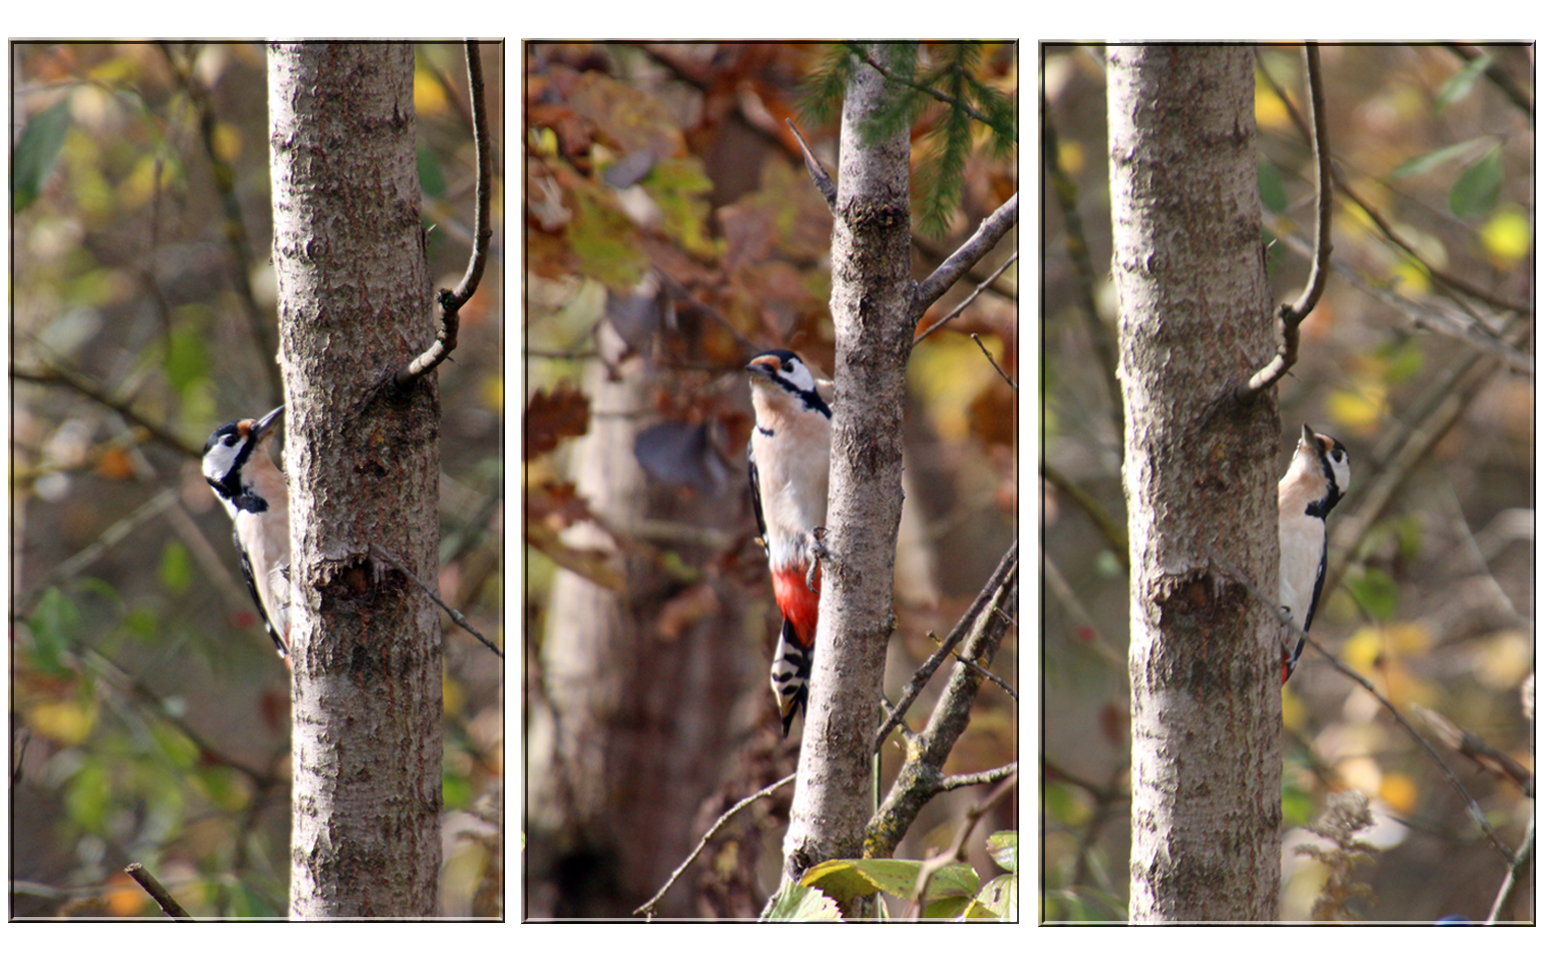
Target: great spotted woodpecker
1317,479
253,490
787,459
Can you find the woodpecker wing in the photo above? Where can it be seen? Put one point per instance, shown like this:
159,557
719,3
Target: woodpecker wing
252,587
752,477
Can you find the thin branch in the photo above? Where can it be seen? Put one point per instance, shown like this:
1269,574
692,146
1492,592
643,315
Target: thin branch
987,673
1086,630
55,375
1112,530
1008,380
956,852
1519,863
968,300
649,907
158,893
235,228
989,233
457,618
973,620
990,776
1451,778
825,185
1283,617
1291,316
451,302
1079,253
1479,751
1446,279
1500,78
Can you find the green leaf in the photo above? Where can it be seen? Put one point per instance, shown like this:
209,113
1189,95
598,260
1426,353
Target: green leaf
1434,159
1461,82
1272,188
432,179
36,151
1376,592
795,902
999,897
1002,849
187,357
54,623
1477,190
175,570
88,795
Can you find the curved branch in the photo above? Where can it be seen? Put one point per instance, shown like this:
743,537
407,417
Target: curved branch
1291,316
452,301
989,233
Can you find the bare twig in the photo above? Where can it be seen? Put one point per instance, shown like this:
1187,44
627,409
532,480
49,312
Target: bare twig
235,228
1291,316
457,618
968,300
1112,530
1479,751
825,185
989,233
988,673
1519,863
157,892
451,301
1008,380
55,375
956,852
1281,614
649,907
1079,252
1500,78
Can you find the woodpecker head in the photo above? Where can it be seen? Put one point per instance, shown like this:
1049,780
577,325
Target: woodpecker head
1318,474
232,450
783,387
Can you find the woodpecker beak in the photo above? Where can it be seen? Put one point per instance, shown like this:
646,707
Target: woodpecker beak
764,365
1309,438
262,427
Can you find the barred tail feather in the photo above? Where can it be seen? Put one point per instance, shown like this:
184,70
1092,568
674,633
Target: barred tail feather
790,673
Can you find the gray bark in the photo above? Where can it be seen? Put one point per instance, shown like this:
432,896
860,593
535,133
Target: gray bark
354,304
1194,319
871,304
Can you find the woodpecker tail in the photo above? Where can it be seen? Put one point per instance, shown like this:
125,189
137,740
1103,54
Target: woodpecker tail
790,673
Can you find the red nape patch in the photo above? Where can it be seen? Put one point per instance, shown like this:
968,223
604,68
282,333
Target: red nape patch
797,603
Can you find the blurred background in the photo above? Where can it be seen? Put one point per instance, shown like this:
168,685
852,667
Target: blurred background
1419,358
672,233
150,715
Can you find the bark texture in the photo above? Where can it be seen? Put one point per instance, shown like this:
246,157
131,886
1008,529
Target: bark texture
1194,319
871,301
354,303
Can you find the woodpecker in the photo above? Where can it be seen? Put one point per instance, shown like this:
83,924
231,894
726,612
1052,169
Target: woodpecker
787,460
252,488
1317,479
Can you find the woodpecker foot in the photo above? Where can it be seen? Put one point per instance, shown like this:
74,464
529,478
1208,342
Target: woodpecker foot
818,551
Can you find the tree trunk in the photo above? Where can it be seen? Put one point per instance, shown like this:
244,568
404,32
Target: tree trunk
1194,320
354,303
871,302
631,727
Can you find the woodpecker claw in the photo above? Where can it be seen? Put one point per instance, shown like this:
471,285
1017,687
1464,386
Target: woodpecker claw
819,552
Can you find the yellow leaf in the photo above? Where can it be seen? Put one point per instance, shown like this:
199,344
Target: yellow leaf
429,97
66,722
1399,792
1503,660
1361,408
1507,236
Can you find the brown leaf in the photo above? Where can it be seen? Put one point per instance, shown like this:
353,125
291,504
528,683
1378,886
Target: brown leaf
553,416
